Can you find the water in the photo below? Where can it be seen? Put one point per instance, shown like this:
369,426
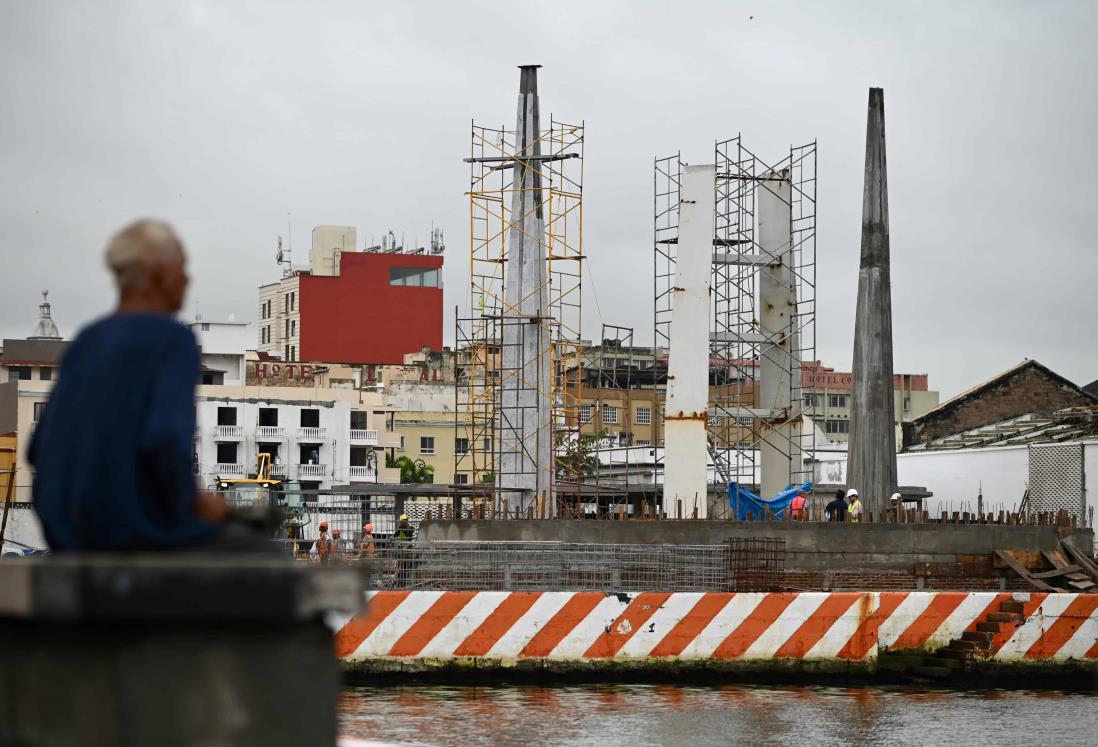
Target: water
636,715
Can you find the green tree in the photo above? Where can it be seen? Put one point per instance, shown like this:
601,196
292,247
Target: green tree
411,472
579,457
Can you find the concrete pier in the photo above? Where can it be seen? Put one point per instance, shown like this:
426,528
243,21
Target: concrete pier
169,650
872,462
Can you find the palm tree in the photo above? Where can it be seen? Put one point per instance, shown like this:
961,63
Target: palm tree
411,471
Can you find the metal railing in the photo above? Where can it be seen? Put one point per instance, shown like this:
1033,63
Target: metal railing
545,566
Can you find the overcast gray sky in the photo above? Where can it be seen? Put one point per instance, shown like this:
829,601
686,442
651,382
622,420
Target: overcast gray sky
223,117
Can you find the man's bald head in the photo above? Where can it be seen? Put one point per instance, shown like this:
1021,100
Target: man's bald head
147,260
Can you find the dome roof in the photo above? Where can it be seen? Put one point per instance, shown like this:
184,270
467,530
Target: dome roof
45,329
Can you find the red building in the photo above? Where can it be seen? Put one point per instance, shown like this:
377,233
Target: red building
374,309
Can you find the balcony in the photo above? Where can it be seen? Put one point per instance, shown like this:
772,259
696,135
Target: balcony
310,435
228,470
363,474
363,437
270,433
228,432
312,470
279,471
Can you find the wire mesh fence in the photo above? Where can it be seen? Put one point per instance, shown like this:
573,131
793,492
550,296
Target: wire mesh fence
756,563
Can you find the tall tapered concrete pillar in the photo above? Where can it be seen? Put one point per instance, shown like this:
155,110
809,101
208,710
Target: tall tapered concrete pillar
872,458
525,468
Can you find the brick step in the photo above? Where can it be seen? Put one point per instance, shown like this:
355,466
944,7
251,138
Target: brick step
966,645
978,636
1004,617
1012,606
989,627
953,653
932,672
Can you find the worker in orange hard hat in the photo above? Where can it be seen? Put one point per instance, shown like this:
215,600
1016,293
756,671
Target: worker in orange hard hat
366,542
324,544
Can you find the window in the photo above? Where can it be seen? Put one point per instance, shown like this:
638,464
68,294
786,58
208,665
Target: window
401,447
226,452
609,415
461,478
286,304
45,373
837,426
644,442
268,416
293,328
413,276
644,416
226,416
585,413
838,400
38,408
19,373
487,445
361,456
714,421
293,300
907,403
205,326
623,438
310,417
287,327
293,352
810,400
308,454
426,444
461,446
745,420
359,420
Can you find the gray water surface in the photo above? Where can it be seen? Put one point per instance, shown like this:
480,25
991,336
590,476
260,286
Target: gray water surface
607,715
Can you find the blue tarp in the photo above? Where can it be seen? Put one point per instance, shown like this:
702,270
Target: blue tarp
746,504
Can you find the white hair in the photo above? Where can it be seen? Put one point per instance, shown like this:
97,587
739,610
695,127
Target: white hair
137,249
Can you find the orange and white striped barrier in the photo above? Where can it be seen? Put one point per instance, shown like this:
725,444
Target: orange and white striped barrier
852,626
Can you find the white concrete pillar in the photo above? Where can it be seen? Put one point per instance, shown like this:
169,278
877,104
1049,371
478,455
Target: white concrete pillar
687,404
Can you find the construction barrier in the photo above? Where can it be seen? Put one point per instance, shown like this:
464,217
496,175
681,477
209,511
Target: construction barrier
809,626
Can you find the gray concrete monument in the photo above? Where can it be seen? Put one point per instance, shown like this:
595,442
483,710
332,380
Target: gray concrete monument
871,467
525,468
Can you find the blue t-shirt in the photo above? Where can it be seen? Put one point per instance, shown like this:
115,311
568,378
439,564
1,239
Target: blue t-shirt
113,449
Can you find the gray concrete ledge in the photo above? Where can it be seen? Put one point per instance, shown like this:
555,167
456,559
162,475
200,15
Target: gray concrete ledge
229,589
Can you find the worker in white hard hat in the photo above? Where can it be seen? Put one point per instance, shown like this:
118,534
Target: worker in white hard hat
854,509
895,505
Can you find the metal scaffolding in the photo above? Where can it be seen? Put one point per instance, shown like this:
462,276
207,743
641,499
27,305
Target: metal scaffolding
516,364
747,335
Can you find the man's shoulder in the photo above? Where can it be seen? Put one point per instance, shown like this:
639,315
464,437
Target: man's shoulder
130,329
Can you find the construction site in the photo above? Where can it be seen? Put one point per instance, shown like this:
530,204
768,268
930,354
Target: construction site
641,555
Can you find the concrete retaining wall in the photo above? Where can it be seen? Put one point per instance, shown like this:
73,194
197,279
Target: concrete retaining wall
424,629
810,546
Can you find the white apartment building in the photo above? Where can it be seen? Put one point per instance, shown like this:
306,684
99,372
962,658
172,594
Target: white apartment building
223,344
319,437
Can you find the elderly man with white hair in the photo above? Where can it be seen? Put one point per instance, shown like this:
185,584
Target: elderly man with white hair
113,448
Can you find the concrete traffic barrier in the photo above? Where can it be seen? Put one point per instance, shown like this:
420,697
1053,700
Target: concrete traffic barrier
420,630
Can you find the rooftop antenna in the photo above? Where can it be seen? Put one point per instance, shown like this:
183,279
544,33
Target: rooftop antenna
282,257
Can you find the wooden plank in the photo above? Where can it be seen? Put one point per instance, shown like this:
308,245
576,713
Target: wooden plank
1080,557
1056,558
1081,585
1018,568
1057,572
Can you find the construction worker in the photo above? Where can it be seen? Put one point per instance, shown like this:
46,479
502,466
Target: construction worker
854,510
796,508
366,542
836,510
339,546
404,531
324,544
403,536
895,505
